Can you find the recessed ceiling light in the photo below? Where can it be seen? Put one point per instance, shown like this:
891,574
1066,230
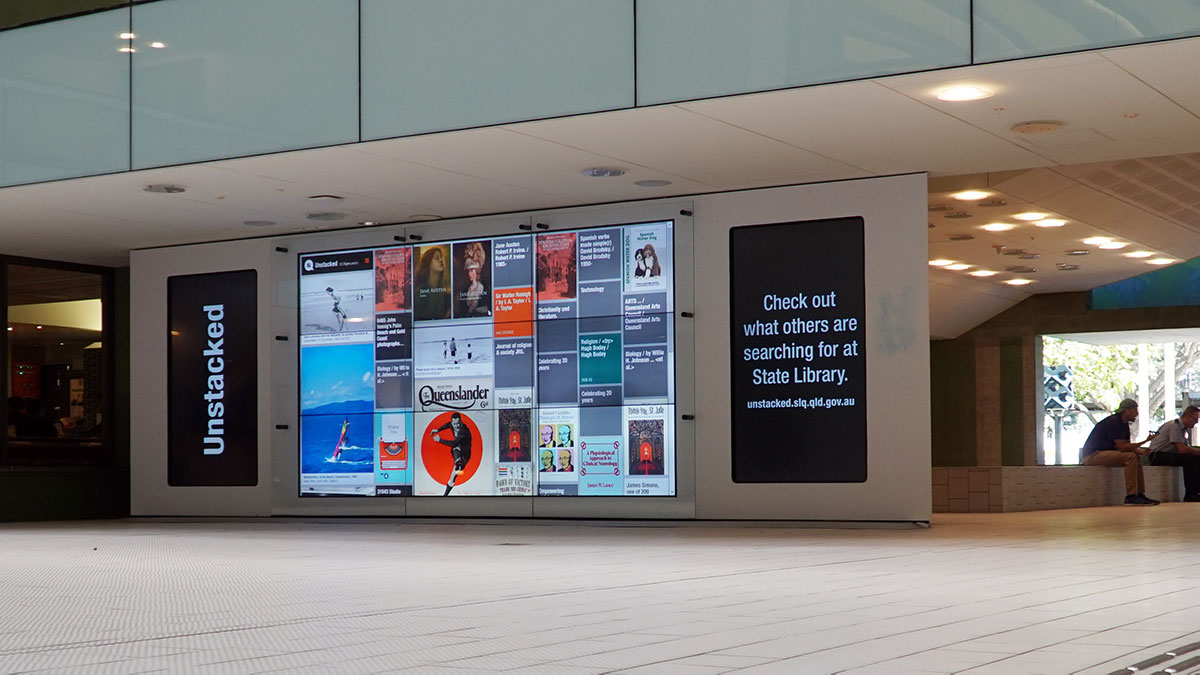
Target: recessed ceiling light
1065,267
998,227
1138,254
126,36
1050,222
39,327
424,216
651,183
1018,282
368,223
984,273
1077,251
164,188
127,50
940,262
992,203
258,223
1020,269
158,45
961,237
940,207
1113,245
958,267
1030,256
1161,261
603,172
957,215
1031,215
1097,241
970,195
326,215
324,198
964,92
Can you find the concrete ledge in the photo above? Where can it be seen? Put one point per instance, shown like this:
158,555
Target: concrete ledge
1005,489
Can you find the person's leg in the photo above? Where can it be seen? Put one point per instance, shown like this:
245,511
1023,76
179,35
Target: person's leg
1134,481
1190,465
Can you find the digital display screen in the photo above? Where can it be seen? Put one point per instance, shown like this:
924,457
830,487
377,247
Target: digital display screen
798,368
523,365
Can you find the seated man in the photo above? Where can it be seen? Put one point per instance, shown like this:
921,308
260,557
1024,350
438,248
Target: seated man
1172,446
1109,445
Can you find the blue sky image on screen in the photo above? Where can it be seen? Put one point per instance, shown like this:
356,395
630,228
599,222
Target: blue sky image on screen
320,451
337,379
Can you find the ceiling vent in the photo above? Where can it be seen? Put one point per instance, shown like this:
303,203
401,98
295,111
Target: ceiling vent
1168,187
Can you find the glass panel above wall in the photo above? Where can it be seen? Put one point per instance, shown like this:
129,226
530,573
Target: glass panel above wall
64,99
229,78
690,49
1009,29
453,64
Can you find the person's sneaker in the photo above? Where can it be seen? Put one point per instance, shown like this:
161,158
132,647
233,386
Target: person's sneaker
1192,498
1139,500
1153,502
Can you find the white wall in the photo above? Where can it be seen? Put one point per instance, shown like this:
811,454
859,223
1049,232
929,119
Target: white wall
897,356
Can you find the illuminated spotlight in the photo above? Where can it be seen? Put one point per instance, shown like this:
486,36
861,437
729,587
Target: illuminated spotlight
1113,245
158,45
984,273
1018,282
127,50
1097,241
1050,222
126,36
970,195
1031,215
1161,261
39,327
998,227
964,92
1138,254
958,267
940,262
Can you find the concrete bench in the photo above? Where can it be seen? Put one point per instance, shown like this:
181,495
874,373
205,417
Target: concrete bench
1003,489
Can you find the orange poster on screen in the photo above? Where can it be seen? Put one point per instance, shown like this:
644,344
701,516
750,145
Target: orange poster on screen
513,313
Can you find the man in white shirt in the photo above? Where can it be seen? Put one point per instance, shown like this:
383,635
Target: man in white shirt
1172,446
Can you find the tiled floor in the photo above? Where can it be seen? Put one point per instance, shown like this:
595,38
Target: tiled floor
1087,590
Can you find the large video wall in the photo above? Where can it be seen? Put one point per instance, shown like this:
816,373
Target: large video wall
533,364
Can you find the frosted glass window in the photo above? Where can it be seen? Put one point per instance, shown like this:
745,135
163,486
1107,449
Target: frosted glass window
452,64
1008,29
241,77
64,99
689,49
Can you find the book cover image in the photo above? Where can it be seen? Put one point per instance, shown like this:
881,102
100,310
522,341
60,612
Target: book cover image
556,266
431,283
472,279
393,280
514,435
646,448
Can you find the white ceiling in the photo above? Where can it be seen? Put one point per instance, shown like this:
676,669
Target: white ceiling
1130,102
1135,337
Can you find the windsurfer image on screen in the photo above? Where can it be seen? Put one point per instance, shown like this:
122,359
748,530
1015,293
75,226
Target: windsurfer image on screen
338,312
337,449
460,446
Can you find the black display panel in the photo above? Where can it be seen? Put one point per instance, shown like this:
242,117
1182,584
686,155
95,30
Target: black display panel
514,365
798,366
212,379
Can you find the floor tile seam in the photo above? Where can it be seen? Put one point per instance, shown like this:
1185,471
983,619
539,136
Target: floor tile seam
860,642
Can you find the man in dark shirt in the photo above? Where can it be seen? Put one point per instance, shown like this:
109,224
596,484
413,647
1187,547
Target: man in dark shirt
460,447
1109,445
1172,446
